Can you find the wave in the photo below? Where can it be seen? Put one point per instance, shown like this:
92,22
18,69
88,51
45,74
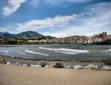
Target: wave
32,52
108,50
6,51
65,50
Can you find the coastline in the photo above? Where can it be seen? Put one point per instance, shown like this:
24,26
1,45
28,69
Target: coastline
19,73
84,64
37,61
22,60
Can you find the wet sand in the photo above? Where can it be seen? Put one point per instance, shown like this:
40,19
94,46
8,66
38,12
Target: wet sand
18,75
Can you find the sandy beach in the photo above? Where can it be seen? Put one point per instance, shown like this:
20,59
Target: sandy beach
18,75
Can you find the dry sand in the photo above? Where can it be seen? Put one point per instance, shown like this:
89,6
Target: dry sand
18,75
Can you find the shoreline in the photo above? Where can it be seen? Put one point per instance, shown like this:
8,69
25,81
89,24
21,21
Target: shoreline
36,61
54,64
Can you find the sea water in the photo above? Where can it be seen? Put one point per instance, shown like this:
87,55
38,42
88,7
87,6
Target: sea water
64,52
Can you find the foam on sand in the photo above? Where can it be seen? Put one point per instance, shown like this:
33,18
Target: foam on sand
65,50
32,52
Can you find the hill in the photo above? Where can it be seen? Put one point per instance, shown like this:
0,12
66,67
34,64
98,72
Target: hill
23,35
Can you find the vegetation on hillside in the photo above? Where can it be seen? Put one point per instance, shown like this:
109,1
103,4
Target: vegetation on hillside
24,42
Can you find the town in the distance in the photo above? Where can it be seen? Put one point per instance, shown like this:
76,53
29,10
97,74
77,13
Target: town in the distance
31,37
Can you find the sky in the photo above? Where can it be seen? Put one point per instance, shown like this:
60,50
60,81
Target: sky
58,18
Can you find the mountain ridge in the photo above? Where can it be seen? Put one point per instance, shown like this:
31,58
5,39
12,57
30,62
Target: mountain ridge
22,35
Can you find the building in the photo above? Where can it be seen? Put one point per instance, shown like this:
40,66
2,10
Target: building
2,41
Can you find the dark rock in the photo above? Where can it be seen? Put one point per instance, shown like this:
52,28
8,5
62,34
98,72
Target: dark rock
59,65
3,61
43,64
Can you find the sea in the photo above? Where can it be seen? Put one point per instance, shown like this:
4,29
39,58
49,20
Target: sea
63,52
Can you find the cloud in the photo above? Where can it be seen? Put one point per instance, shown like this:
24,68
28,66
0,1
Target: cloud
2,30
52,23
95,19
12,6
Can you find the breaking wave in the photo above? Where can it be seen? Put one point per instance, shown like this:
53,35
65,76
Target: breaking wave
32,52
65,50
109,50
6,51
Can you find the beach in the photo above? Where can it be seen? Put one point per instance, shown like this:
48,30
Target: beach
39,71
19,75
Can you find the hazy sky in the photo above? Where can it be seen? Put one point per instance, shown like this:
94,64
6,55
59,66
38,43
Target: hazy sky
59,18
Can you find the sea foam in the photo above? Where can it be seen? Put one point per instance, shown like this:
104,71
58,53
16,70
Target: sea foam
65,50
108,50
32,52
6,51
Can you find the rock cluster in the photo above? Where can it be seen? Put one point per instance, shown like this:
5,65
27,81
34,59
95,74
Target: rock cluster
44,64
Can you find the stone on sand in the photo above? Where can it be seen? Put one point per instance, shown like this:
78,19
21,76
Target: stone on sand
91,66
78,67
106,68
